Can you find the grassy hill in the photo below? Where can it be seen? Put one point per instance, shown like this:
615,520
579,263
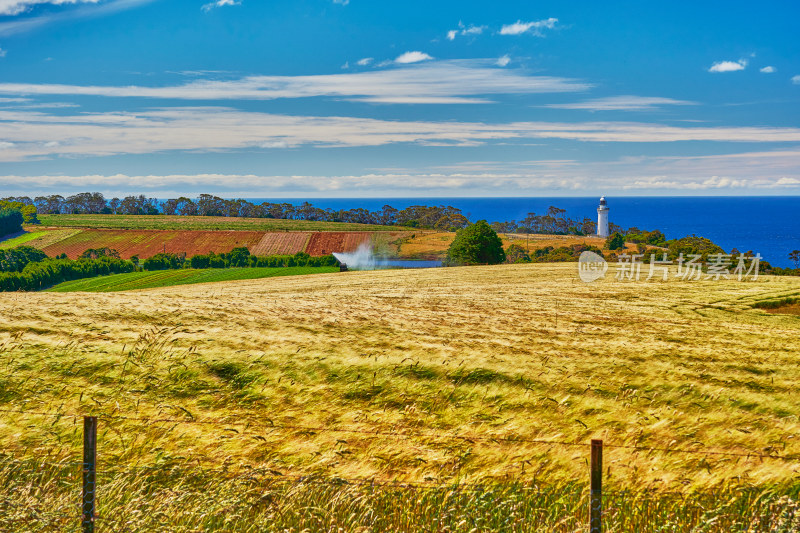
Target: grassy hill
170,278
493,375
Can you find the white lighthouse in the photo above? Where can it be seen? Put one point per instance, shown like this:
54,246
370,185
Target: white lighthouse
602,218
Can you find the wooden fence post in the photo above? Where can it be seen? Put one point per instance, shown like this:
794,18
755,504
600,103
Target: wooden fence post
596,497
89,473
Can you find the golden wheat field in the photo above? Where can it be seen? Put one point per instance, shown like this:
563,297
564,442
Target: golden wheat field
428,376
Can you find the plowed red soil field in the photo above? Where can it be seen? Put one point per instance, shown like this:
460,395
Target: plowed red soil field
147,243
323,243
286,243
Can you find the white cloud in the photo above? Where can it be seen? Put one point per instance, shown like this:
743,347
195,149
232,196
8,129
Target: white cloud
220,3
465,30
341,2
534,27
768,70
775,172
412,57
502,61
205,129
421,100
363,62
15,7
728,66
622,103
2,53
275,144
796,79
435,80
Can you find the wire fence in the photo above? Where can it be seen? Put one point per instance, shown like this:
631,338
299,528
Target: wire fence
597,500
702,450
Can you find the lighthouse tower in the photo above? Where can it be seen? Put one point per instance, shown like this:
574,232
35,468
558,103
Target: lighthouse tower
602,218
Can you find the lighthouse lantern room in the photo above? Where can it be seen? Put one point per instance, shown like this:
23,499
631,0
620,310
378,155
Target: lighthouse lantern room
602,218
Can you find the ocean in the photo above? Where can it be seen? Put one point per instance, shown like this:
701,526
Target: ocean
769,225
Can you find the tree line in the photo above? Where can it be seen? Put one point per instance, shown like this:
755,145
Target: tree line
27,210
13,214
442,217
445,218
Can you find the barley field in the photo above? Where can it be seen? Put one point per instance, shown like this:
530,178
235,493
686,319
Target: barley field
453,399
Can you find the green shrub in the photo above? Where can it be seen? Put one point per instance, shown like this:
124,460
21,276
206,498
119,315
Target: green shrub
615,241
476,244
10,221
517,254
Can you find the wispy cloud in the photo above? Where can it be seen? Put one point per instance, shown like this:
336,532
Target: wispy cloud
465,30
220,3
768,70
15,7
363,62
341,2
420,100
503,61
622,103
534,27
728,66
213,129
796,79
2,53
88,9
412,57
435,80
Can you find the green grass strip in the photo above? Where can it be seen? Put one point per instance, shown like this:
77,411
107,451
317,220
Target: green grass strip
169,278
22,239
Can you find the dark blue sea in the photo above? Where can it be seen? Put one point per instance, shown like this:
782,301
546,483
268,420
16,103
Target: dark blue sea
769,225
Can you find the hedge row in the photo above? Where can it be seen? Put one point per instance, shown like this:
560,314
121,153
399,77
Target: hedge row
44,274
16,259
25,268
236,258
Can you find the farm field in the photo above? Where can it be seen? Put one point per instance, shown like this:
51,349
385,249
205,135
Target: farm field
11,241
169,278
38,237
146,236
201,223
147,243
489,375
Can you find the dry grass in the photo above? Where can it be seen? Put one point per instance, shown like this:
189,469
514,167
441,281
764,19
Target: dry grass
424,245
434,245
508,351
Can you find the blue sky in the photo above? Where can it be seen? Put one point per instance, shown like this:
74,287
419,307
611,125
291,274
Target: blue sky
324,98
